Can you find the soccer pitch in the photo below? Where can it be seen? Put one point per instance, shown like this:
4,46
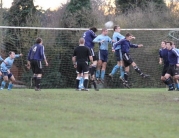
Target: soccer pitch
108,113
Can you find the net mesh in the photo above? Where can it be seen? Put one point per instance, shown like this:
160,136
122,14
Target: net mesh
59,45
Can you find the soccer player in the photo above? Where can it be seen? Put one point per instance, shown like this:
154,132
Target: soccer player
103,39
80,58
163,58
89,36
5,69
125,49
173,70
1,59
35,57
116,37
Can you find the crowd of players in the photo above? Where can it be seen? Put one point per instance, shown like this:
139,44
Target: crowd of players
92,67
120,46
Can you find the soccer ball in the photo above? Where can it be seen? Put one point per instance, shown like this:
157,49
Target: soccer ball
109,24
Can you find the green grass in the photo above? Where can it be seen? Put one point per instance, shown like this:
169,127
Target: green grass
108,113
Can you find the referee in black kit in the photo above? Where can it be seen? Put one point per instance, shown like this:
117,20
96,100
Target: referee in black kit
81,56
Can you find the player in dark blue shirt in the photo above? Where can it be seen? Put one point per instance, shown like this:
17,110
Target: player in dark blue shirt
35,57
125,49
163,58
173,70
89,36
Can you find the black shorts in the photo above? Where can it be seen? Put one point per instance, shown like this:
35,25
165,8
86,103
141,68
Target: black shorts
127,59
36,66
82,67
173,70
164,70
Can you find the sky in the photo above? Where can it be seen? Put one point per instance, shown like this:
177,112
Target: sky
45,4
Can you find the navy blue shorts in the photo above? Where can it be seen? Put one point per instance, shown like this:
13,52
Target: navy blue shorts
6,74
118,54
103,55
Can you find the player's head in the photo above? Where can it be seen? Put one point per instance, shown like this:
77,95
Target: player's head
94,29
169,45
81,41
173,44
116,28
163,44
38,40
104,31
12,54
129,36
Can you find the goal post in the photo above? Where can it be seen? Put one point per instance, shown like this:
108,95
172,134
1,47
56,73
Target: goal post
59,44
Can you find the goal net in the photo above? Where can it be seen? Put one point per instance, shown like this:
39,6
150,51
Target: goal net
59,45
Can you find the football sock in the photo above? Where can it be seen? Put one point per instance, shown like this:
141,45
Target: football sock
121,72
102,74
94,84
86,83
38,80
3,83
97,73
126,76
77,82
114,70
10,86
138,70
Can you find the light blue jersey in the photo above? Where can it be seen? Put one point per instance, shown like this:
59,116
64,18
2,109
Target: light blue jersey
106,40
7,64
116,37
1,59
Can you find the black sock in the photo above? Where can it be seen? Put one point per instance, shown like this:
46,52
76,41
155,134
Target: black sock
126,76
169,82
85,83
138,70
38,79
77,83
34,79
94,84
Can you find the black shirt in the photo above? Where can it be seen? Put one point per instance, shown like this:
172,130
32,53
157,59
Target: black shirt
82,54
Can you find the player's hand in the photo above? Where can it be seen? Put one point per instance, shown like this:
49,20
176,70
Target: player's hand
160,62
140,45
28,66
133,37
113,50
177,65
21,55
75,66
8,72
46,63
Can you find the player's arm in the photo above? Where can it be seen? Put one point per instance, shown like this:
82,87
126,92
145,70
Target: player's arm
135,45
43,55
74,59
160,56
4,66
98,40
116,44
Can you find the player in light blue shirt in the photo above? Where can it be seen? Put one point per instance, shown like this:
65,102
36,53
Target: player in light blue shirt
103,39
117,37
5,69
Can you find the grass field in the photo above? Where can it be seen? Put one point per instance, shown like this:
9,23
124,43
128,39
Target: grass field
108,113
